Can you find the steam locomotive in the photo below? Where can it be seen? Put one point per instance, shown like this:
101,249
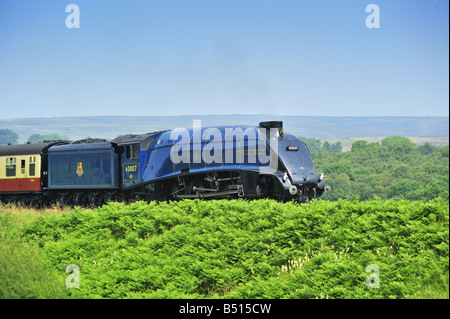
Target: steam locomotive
199,162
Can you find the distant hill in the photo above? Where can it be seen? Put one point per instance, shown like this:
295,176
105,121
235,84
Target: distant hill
320,127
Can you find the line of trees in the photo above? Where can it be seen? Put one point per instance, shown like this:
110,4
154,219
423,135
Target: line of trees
9,137
37,138
315,146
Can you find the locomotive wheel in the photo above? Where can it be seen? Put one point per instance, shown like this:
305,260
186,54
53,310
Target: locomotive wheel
259,191
265,186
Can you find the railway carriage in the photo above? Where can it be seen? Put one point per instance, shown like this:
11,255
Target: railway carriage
20,171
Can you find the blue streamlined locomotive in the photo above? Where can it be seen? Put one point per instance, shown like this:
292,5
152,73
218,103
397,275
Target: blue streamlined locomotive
210,162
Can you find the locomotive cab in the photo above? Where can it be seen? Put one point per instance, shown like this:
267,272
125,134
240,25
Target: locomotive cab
130,164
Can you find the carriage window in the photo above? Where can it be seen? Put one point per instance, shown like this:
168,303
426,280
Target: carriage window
132,151
22,167
10,170
32,169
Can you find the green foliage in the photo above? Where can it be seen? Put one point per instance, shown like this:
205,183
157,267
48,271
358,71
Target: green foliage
24,272
396,140
361,145
398,170
315,146
37,138
8,136
332,148
426,148
249,249
336,147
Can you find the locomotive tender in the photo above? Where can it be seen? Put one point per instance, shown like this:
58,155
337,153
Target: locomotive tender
219,162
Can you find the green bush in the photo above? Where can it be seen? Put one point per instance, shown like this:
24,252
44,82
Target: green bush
248,249
24,272
397,170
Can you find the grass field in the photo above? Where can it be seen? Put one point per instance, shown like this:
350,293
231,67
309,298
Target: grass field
228,249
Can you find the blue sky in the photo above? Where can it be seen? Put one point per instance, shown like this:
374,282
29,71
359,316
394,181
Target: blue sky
285,57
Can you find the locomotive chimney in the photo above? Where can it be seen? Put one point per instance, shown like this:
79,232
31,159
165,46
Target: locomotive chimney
273,124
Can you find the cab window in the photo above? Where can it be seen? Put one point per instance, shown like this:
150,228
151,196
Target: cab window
132,151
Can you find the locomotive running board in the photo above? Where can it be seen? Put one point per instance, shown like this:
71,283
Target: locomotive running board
213,194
